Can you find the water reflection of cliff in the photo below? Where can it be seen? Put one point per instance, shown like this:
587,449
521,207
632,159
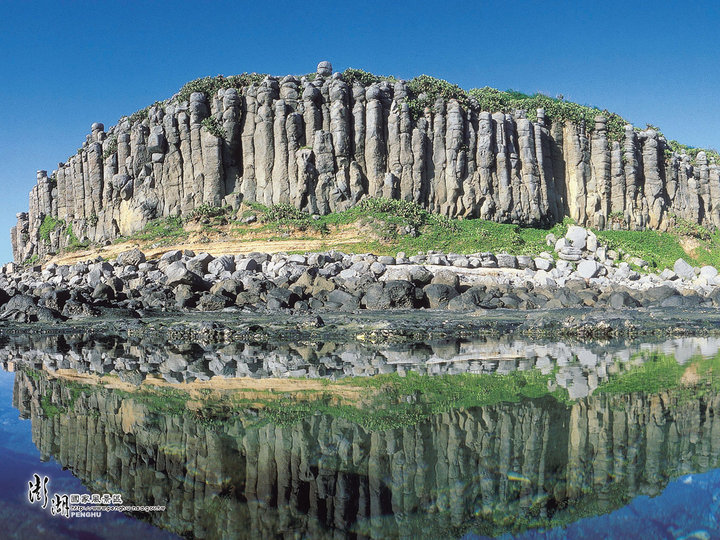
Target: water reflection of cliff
323,475
579,367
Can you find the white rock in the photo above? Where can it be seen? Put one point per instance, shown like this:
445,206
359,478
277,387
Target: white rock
683,269
577,236
543,264
587,268
592,242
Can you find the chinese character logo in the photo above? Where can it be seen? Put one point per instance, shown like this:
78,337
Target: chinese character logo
60,505
37,490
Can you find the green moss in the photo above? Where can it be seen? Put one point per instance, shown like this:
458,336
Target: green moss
139,116
352,75
209,211
50,409
214,127
32,260
73,242
556,109
169,229
111,146
48,225
210,85
395,401
691,151
657,372
661,249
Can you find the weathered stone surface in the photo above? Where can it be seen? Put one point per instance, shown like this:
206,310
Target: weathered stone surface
588,268
322,146
133,257
683,269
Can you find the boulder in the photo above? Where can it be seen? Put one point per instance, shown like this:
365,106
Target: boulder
213,302
622,299
438,295
587,268
684,270
446,277
577,236
177,274
505,260
134,257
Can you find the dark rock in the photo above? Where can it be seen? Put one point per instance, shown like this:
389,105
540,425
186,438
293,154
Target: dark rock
510,301
658,294
401,293
76,310
56,299
177,274
22,302
199,263
446,277
622,299
103,291
213,302
227,287
280,297
344,299
438,295
247,298
185,297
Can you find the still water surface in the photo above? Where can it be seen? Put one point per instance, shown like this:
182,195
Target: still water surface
543,439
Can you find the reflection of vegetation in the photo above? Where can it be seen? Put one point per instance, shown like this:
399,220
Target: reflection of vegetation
64,402
660,372
567,490
389,401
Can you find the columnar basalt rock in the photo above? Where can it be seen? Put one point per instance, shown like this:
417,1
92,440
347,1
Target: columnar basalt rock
323,145
325,473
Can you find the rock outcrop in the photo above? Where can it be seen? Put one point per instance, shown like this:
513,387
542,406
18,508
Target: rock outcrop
322,145
322,475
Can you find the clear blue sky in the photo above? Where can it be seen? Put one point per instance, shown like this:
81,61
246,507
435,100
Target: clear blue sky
65,65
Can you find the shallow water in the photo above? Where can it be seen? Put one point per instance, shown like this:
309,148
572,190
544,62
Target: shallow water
610,439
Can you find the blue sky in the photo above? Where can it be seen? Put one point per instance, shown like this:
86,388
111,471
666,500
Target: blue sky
65,65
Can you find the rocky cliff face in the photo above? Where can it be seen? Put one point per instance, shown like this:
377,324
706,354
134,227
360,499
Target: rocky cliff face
322,145
323,473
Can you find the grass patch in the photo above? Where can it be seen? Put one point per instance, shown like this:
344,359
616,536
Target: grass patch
168,230
48,225
32,260
73,242
662,249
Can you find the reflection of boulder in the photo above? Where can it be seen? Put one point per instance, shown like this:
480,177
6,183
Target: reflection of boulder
243,477
580,367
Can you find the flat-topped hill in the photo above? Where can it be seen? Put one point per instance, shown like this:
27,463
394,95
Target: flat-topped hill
323,142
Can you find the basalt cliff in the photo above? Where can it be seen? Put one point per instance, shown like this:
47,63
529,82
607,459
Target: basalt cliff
322,143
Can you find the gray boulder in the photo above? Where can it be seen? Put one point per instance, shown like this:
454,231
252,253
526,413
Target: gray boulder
134,257
588,269
177,274
684,270
577,236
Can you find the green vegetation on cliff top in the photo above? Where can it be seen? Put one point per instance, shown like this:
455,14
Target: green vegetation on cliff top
424,90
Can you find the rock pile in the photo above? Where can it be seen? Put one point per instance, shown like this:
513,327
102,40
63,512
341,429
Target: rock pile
584,274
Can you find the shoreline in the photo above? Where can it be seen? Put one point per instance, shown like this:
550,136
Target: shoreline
580,289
